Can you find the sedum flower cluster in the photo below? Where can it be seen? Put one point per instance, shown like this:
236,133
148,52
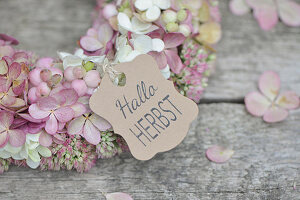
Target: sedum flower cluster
45,118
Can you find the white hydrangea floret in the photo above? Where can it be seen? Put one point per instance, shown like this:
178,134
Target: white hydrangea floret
76,59
152,8
31,151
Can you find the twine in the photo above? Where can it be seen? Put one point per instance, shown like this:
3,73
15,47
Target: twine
108,68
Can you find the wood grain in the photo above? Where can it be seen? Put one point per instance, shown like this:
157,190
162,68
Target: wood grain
265,165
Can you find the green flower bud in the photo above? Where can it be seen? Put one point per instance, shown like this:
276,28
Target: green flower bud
181,15
89,66
169,16
172,27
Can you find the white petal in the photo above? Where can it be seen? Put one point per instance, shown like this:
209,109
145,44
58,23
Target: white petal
11,149
62,55
24,153
153,13
143,44
123,53
5,154
72,61
18,156
166,72
80,53
44,151
143,4
34,155
158,45
124,21
138,25
95,59
163,4
33,137
32,164
132,56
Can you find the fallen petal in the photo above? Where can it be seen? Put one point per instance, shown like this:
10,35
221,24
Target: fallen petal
289,12
218,154
118,196
275,114
256,103
269,84
288,100
267,17
239,7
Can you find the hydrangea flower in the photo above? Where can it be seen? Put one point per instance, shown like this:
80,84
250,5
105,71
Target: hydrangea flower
267,12
168,54
13,83
152,8
268,103
57,109
15,137
137,45
31,151
95,40
88,126
5,45
134,25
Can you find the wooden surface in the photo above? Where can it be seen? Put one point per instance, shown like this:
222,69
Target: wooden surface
266,163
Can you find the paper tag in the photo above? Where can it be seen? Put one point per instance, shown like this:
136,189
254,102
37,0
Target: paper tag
147,112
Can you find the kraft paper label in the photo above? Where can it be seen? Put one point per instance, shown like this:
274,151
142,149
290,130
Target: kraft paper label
147,112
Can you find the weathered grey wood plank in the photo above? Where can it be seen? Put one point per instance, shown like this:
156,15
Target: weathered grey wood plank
243,54
265,165
246,51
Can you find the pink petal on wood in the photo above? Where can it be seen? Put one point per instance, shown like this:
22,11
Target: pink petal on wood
64,114
173,40
275,114
288,100
45,139
91,133
267,17
160,58
118,196
269,84
239,7
6,51
76,126
289,12
3,139
51,125
14,70
90,43
218,154
174,61
256,103
37,113
16,137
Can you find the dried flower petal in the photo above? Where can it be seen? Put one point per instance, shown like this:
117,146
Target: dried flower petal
118,196
219,154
